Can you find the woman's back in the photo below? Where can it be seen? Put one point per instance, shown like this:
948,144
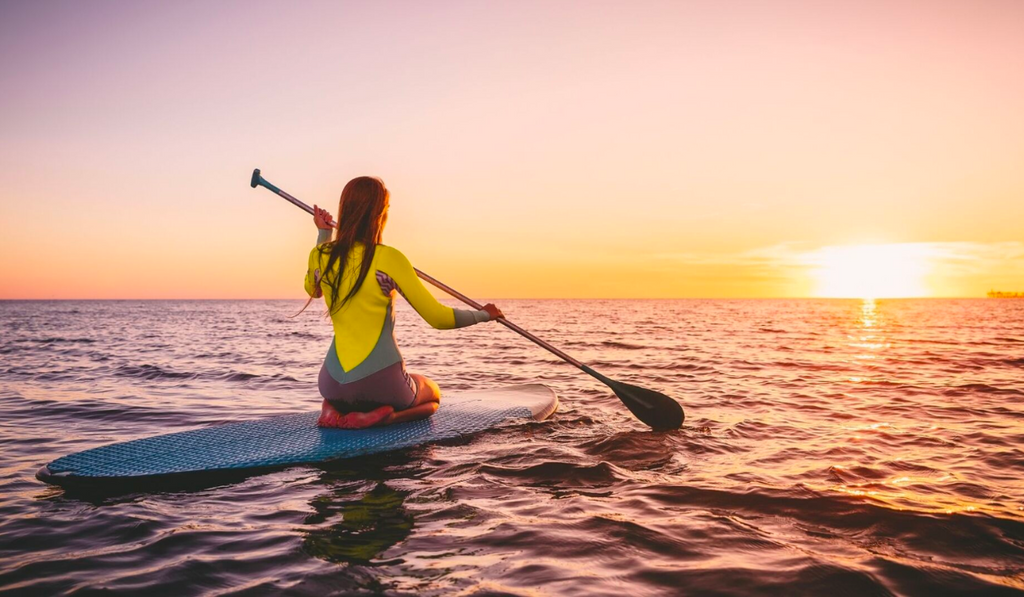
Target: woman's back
363,324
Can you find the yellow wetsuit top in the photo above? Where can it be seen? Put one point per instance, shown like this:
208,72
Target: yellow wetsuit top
364,341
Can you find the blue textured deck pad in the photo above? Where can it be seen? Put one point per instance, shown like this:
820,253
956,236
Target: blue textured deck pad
290,439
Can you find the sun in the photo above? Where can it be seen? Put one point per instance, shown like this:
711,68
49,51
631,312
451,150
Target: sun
871,271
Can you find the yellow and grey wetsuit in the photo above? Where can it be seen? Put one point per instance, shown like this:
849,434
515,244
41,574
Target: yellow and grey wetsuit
363,368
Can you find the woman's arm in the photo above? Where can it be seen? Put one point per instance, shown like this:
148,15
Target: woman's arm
313,274
393,263
321,217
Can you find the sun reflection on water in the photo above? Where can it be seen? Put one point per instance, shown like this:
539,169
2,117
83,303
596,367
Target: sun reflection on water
868,313
869,345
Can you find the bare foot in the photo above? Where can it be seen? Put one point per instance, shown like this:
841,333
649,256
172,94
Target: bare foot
415,413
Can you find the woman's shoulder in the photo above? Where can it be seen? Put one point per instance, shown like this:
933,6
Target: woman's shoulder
321,250
324,247
389,254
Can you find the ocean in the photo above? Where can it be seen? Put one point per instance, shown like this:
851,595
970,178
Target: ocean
839,447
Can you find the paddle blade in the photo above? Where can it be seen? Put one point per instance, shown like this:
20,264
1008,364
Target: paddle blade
655,409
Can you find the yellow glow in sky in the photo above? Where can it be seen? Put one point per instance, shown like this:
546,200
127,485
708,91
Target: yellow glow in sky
532,149
871,271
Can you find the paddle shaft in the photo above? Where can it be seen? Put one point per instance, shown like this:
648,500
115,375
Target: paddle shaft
259,180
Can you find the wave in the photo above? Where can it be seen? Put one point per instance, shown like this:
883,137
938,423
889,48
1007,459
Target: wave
622,345
559,473
151,372
245,377
1009,340
921,532
983,389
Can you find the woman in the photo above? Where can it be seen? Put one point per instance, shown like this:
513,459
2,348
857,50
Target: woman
363,379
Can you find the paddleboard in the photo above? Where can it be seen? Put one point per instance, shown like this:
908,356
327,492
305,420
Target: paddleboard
293,440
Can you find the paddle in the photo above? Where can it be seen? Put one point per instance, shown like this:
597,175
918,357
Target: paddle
653,408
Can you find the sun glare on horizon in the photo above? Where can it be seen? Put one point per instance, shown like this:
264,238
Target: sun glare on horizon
871,271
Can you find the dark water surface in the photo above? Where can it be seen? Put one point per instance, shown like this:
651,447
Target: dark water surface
831,447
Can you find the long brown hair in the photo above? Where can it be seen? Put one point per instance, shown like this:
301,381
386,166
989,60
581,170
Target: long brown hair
362,213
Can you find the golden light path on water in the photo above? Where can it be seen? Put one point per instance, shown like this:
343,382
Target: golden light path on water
871,343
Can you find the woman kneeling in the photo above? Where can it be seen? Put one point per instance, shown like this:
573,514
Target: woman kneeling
363,379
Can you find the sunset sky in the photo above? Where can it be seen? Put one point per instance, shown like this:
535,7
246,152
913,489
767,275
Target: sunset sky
532,149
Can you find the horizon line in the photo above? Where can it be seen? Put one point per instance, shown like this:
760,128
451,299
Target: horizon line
591,298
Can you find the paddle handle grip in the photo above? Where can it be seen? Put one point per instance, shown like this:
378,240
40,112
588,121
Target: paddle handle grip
287,197
258,180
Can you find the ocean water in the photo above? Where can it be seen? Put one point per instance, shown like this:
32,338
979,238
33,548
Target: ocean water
838,447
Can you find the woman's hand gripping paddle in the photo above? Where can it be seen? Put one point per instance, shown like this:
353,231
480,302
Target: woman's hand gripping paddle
653,408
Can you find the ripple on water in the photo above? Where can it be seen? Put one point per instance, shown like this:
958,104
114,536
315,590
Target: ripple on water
830,446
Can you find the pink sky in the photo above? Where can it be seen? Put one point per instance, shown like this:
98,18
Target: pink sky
533,149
